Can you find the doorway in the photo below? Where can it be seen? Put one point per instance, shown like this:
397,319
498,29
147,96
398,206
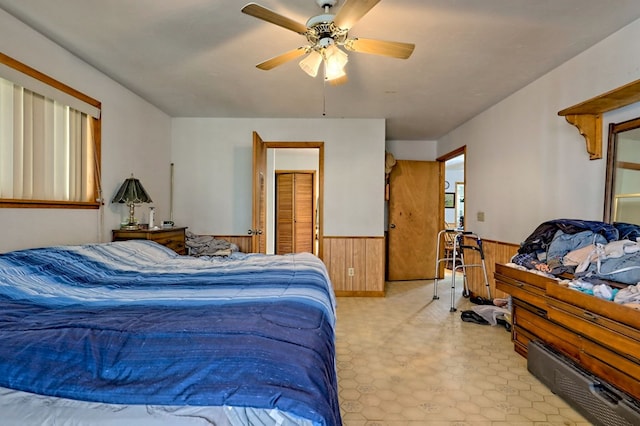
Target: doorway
454,185
267,157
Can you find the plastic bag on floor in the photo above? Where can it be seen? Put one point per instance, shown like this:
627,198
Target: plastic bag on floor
491,313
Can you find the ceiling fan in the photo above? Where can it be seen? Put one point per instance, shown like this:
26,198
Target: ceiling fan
326,33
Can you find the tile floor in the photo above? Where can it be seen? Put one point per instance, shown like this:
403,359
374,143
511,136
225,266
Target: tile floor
406,360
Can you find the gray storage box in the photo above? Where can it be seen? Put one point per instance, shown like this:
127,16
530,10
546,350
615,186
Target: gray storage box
596,400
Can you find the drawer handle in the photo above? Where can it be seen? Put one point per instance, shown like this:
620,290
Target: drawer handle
590,316
520,285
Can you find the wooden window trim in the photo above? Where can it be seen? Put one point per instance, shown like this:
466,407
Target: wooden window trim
97,132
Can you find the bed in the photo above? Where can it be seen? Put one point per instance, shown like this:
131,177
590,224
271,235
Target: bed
132,333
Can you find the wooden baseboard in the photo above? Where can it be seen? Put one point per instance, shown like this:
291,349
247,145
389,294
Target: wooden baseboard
344,293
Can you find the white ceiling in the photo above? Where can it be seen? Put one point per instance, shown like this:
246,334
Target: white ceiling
196,58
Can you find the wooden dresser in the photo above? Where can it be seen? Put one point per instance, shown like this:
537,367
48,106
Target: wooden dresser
174,238
602,337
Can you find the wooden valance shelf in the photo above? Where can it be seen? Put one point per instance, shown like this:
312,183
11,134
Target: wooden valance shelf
587,115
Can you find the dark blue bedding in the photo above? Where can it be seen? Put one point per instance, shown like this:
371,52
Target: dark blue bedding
145,326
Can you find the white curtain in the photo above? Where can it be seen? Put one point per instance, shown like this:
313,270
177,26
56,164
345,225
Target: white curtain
46,148
6,139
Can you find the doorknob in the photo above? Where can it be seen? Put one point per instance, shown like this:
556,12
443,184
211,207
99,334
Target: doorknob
393,225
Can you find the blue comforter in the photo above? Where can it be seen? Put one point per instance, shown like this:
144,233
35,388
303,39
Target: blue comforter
132,322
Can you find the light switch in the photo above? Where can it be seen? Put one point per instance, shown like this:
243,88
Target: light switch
480,216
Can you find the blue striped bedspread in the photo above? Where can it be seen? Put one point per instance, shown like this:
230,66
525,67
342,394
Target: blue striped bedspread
134,323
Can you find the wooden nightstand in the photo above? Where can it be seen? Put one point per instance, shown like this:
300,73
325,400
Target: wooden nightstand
174,238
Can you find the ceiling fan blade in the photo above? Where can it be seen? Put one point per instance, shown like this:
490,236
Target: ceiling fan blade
272,17
281,59
351,12
393,49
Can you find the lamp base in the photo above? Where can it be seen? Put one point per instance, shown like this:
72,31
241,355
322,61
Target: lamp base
129,227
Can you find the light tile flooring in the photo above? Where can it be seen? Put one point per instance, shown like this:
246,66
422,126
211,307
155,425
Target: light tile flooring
406,360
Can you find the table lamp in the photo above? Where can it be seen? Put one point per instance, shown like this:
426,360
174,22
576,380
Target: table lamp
130,193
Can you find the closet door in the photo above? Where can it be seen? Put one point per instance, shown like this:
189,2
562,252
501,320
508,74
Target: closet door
304,213
284,213
294,212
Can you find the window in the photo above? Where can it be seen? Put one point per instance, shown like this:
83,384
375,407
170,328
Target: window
49,141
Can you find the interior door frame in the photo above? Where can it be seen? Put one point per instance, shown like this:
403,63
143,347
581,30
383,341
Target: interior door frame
259,196
443,158
263,158
448,156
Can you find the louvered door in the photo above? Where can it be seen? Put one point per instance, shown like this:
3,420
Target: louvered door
295,207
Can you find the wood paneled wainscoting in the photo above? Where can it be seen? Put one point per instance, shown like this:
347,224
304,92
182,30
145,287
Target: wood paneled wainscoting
356,265
242,241
494,252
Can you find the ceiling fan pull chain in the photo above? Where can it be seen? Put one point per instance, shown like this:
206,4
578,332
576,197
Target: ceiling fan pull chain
324,97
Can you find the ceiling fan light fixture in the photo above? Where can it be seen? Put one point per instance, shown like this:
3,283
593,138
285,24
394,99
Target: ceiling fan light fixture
311,64
334,62
331,74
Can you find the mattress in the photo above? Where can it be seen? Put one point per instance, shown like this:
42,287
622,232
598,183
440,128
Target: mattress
132,329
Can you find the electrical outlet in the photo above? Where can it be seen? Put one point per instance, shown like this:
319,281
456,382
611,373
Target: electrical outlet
351,272
480,216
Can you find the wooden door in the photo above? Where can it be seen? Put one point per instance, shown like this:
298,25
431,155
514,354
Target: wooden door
305,212
259,210
415,215
294,212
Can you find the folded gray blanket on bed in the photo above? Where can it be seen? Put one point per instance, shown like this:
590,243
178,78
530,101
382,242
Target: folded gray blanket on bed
207,245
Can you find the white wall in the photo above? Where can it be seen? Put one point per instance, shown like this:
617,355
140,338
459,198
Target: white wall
413,150
213,160
135,138
525,164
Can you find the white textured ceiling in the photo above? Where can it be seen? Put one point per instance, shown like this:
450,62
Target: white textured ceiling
197,57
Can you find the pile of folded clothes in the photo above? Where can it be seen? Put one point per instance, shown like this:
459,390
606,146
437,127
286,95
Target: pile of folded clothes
206,245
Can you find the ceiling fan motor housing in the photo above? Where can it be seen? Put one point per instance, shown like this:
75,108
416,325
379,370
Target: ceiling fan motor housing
321,27
326,3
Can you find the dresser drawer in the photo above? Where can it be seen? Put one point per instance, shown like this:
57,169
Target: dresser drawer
522,285
618,337
616,312
177,246
173,238
612,367
521,338
535,323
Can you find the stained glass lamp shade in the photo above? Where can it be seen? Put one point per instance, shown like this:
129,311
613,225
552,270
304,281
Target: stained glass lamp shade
130,193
